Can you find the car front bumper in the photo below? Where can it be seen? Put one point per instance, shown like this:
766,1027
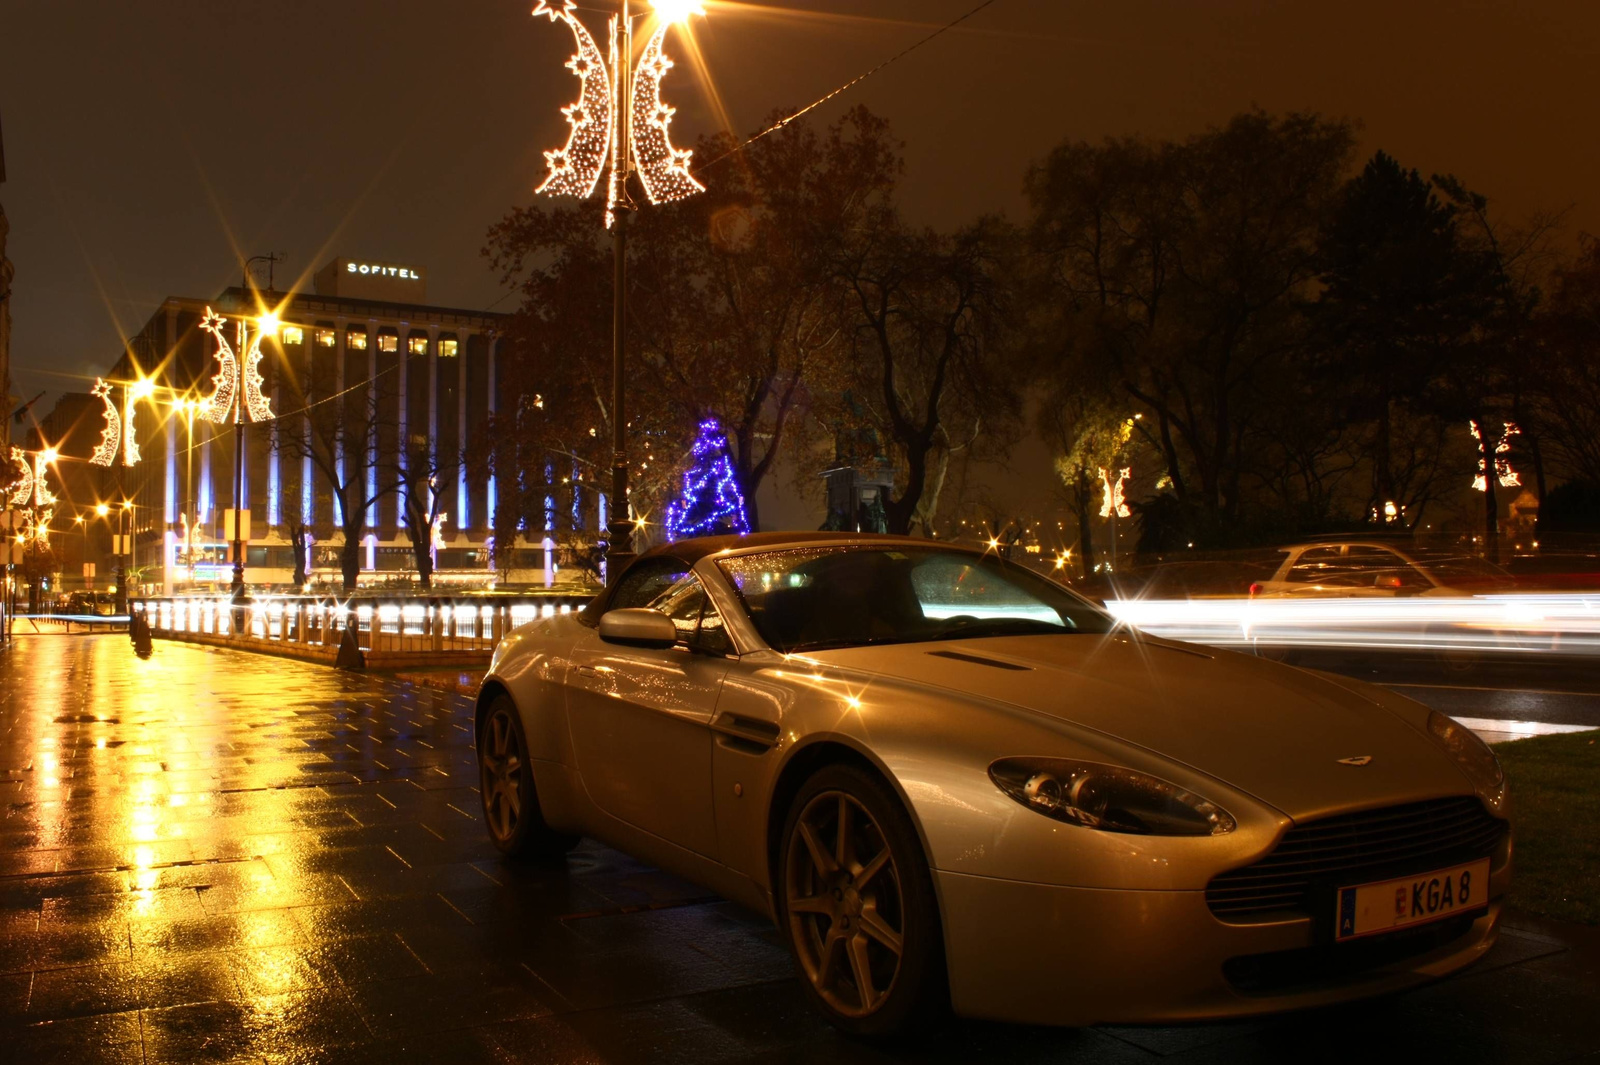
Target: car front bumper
1046,954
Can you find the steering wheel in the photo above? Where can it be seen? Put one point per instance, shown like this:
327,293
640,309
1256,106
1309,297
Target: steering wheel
961,619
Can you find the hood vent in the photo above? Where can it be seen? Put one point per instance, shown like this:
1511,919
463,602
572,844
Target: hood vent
962,656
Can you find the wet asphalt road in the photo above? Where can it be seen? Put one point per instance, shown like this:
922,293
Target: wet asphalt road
217,856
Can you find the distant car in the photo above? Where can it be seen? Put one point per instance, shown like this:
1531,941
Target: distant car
1373,568
950,780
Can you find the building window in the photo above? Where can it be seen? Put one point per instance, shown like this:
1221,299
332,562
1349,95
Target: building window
356,340
447,349
388,342
292,334
325,337
418,345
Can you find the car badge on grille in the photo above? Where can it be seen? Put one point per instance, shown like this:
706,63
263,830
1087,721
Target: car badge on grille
1360,759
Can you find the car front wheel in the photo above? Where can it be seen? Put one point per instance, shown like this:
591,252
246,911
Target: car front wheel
858,907
510,805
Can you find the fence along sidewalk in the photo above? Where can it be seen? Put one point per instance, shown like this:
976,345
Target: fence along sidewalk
389,631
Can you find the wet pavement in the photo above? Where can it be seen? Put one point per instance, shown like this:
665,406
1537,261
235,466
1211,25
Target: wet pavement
217,856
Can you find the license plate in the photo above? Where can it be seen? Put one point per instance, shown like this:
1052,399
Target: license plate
1368,909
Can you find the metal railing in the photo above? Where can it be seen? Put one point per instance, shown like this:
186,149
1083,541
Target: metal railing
395,629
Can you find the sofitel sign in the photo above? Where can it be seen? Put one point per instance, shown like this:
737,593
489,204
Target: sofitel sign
376,270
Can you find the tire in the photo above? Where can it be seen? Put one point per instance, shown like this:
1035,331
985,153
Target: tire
845,902
510,804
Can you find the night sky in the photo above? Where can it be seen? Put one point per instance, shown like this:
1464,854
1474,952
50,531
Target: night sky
149,145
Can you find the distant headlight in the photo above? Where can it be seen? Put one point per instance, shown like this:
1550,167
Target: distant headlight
1471,754
1108,797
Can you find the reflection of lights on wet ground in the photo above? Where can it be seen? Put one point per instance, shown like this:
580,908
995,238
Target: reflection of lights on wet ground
1563,624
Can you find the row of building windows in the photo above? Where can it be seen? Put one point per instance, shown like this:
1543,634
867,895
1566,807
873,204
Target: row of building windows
356,340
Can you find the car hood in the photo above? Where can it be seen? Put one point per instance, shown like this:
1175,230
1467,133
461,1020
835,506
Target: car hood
1270,730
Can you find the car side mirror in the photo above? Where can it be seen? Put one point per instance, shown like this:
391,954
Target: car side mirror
638,627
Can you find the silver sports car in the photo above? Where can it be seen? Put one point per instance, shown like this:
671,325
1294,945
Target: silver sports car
955,784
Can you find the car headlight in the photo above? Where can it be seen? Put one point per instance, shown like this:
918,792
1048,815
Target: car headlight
1108,797
1471,753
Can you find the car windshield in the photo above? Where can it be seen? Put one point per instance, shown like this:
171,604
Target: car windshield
811,599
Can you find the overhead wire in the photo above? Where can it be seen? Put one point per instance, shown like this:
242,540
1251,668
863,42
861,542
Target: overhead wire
858,79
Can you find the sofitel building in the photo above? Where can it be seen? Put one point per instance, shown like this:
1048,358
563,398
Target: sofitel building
365,347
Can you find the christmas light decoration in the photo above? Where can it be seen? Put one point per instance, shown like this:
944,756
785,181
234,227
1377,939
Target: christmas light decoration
1508,477
111,436
598,137
21,490
223,400
576,168
1113,503
711,501
663,169
130,446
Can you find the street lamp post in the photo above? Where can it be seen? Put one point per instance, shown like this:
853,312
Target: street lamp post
238,396
620,125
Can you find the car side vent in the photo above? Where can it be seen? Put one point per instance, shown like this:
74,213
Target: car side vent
962,656
748,734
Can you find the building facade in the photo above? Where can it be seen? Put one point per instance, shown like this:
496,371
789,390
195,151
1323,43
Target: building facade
377,398
7,272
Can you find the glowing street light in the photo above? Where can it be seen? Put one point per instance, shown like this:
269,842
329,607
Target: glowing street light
620,124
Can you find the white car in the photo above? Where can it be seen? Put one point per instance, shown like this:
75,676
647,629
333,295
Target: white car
954,783
1373,568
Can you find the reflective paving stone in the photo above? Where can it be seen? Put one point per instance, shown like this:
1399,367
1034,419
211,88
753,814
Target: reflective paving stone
212,856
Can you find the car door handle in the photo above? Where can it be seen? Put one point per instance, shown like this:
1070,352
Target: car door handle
588,671
749,734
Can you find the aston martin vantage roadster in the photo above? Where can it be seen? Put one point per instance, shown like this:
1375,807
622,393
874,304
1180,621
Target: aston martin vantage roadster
955,784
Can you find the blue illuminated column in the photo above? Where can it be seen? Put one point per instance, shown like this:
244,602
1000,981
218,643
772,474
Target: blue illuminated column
463,502
494,351
274,484
374,342
401,441
338,438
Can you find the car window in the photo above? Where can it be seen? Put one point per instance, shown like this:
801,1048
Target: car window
803,599
693,615
1315,565
643,583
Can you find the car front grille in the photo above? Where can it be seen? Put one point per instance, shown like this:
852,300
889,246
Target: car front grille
1353,848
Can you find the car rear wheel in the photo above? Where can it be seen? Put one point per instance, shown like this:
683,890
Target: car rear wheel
510,804
857,904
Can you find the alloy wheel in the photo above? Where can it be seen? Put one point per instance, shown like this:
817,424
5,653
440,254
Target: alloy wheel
845,904
501,760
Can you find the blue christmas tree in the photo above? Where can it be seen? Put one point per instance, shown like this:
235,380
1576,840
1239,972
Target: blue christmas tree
710,503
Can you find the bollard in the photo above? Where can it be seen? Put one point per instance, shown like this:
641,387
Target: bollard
350,656
139,633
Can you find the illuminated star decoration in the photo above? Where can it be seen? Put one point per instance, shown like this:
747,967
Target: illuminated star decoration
21,490
111,436
711,501
221,403
436,537
596,138
1508,477
130,444
1113,502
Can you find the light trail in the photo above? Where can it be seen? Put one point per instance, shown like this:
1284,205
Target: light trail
1565,624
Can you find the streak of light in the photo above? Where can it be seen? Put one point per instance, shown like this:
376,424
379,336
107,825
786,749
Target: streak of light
1521,728
1524,623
